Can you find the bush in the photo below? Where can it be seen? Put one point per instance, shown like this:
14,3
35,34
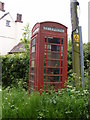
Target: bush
14,68
86,54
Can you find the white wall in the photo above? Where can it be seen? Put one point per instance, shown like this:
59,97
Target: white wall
9,36
18,31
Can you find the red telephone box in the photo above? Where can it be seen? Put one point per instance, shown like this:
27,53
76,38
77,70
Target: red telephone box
48,56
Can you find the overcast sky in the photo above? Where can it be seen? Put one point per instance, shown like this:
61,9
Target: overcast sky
34,11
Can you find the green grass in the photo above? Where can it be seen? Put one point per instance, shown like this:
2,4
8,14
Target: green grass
16,103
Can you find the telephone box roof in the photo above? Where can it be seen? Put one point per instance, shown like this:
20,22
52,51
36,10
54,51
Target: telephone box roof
45,22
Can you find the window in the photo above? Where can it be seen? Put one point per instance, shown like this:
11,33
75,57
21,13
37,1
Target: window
61,78
61,55
61,70
32,69
61,48
33,49
49,47
62,41
54,40
55,48
53,63
7,23
33,42
58,48
32,63
53,70
33,55
52,79
45,39
61,63
53,55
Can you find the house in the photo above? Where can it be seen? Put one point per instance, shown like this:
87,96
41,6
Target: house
19,48
10,30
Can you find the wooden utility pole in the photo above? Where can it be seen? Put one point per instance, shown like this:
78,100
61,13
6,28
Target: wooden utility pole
76,55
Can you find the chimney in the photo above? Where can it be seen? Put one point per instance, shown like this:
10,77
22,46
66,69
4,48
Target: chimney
2,7
19,18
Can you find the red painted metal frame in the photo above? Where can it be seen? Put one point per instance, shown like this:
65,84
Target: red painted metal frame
35,66
39,36
30,67
46,64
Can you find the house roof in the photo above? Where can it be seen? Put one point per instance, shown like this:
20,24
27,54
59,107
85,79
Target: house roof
19,48
4,15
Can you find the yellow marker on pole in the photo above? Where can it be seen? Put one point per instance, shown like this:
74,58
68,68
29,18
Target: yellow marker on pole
76,38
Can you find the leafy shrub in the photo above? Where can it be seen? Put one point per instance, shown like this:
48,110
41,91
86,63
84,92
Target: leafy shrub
14,68
86,54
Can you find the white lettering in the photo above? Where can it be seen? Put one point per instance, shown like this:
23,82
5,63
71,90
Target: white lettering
53,29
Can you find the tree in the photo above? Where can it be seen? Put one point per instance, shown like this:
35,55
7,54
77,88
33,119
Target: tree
26,39
69,57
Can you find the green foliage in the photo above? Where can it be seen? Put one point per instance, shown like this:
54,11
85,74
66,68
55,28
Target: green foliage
70,71
26,39
14,68
86,53
70,103
65,104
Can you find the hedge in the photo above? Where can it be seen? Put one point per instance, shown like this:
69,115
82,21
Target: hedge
14,68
